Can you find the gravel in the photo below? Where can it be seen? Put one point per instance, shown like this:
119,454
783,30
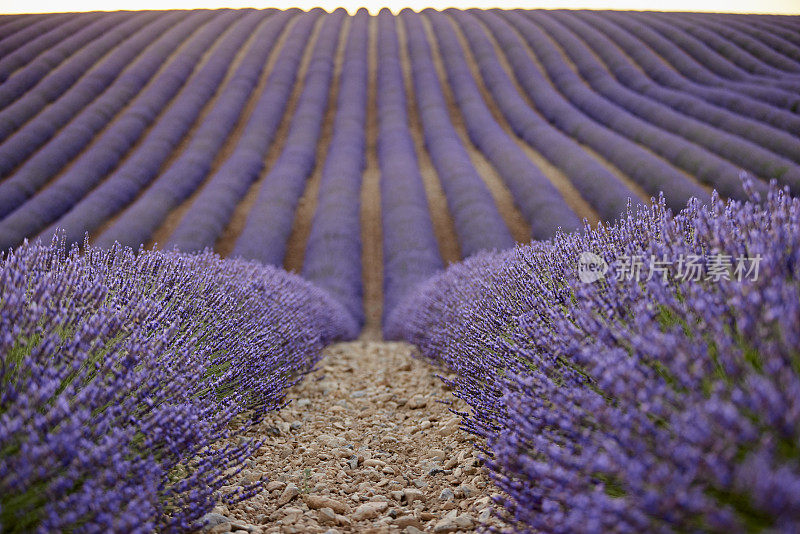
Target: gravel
367,445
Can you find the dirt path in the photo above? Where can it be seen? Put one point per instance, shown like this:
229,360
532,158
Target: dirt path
371,219
365,446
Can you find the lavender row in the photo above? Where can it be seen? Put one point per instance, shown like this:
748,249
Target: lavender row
632,404
17,33
18,29
725,72
692,69
333,253
129,382
625,70
634,139
105,153
211,211
116,137
720,55
187,168
739,50
655,68
48,75
12,23
410,250
771,27
607,194
780,41
114,80
776,52
17,51
478,223
269,223
539,201
749,155
695,160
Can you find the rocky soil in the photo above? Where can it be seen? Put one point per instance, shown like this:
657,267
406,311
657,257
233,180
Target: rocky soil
366,445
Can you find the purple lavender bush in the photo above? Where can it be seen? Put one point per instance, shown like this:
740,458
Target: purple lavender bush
128,379
266,234
111,78
477,220
333,253
663,402
410,250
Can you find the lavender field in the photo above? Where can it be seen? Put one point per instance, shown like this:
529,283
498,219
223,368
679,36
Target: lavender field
587,220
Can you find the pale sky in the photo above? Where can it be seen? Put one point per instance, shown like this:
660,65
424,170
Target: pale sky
723,6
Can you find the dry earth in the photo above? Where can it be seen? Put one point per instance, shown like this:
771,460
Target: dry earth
366,445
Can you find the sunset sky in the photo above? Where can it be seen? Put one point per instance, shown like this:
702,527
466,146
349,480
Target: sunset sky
738,6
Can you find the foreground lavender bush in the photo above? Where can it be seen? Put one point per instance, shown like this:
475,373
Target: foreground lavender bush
127,381
632,405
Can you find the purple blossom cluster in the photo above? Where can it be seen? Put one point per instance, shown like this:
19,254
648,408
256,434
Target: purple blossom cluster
631,405
127,381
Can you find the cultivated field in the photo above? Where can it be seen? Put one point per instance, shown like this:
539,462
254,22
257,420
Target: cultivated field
367,154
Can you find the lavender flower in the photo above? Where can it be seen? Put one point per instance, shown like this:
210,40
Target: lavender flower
127,379
632,405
